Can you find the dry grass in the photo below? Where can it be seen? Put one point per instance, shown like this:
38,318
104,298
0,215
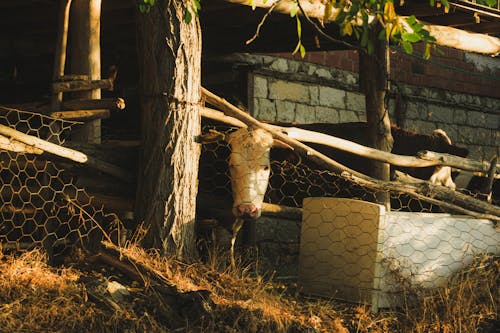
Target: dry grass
38,298
469,303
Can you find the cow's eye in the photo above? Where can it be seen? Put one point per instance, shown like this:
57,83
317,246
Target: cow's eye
266,167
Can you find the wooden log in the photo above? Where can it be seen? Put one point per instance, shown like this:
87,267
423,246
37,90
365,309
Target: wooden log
72,77
82,85
290,213
86,59
43,145
427,191
66,153
458,162
18,147
82,115
220,116
92,104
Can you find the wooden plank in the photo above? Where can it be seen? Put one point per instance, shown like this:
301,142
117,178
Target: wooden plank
83,115
82,85
92,104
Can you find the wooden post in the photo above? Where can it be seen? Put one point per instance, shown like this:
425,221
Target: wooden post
374,72
60,52
86,57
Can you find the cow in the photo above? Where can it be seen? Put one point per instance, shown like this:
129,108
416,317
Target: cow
249,161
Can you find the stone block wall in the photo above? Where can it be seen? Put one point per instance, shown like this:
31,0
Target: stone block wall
287,90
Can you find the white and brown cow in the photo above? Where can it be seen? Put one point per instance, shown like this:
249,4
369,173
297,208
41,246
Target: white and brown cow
249,167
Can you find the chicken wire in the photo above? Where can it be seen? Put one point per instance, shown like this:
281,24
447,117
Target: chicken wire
292,181
41,206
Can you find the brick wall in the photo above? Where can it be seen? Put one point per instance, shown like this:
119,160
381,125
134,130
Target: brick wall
447,69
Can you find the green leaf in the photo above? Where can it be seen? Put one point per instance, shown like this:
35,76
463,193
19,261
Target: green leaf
445,3
417,27
382,35
187,16
364,38
432,3
407,47
411,20
427,52
411,37
297,48
299,27
294,10
143,8
302,51
196,3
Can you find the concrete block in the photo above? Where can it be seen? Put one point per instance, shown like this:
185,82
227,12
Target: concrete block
347,116
332,97
327,115
476,119
289,91
313,95
440,114
305,114
416,110
355,101
260,86
285,111
279,65
460,116
267,109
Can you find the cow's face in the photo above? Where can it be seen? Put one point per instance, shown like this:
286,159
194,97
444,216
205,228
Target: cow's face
249,168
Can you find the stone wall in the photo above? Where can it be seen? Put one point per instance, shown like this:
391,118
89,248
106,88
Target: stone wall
287,90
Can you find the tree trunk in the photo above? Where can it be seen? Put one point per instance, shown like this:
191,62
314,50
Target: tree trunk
85,54
374,70
169,55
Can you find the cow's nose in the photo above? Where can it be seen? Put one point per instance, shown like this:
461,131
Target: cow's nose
249,210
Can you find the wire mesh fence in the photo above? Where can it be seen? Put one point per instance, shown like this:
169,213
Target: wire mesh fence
293,179
40,204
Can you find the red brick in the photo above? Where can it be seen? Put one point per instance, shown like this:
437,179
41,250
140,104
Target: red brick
317,57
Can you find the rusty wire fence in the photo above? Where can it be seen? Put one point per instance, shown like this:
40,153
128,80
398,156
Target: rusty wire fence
40,204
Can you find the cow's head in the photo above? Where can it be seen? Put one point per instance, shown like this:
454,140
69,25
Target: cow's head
249,167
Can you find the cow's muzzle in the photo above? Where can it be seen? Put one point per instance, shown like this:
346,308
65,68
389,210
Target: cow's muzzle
247,211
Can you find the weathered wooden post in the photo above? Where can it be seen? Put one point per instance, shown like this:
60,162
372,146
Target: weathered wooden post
85,57
374,72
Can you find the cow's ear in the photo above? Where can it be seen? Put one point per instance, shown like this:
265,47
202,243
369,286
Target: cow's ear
211,136
281,144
